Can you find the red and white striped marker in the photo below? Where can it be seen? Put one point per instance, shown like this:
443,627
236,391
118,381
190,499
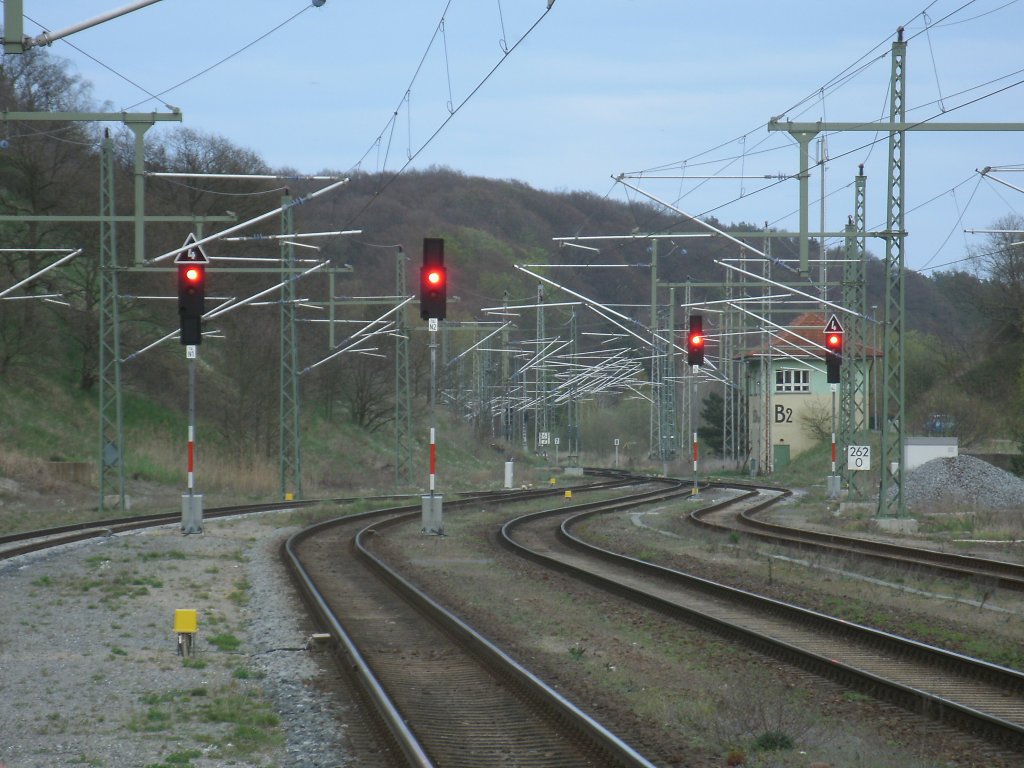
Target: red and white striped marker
433,459
191,456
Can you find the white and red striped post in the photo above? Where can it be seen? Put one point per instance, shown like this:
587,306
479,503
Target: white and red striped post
191,458
833,453
694,491
433,458
432,510
833,478
191,502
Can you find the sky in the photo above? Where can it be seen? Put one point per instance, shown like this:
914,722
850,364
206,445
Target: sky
570,98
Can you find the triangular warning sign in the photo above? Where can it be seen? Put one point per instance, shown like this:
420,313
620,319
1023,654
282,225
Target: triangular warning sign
833,326
193,253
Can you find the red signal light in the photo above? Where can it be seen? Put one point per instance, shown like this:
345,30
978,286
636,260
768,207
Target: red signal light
191,302
833,356
433,280
695,341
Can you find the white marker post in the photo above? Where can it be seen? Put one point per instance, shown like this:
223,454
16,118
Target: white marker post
695,485
191,502
431,513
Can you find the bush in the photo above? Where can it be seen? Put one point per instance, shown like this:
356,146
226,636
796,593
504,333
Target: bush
772,741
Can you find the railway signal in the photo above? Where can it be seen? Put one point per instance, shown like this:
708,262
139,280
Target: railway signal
191,265
191,301
433,280
833,350
695,341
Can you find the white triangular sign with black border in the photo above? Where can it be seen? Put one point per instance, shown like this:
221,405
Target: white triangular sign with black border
193,253
833,326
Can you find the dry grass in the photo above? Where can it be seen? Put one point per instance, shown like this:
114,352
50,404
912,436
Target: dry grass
23,469
249,475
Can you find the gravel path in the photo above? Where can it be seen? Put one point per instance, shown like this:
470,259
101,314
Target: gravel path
94,622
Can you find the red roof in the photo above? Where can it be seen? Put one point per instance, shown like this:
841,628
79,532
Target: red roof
795,338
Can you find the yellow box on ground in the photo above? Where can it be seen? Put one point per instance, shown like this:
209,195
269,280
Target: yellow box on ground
186,620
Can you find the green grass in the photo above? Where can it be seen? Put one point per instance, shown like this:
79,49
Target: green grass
178,759
112,586
240,594
244,723
224,642
175,554
245,673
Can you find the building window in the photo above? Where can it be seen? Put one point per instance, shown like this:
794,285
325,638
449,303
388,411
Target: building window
793,380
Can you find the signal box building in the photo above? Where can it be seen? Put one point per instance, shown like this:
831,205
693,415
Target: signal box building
789,399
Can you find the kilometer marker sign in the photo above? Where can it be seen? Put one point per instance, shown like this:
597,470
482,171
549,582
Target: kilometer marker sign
858,457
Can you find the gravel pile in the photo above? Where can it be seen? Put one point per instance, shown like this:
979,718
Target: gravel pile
89,673
963,480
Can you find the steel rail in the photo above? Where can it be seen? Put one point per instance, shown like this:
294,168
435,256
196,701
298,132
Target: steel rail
1002,573
351,658
25,542
909,697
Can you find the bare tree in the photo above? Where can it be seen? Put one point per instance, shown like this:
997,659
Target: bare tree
49,167
816,419
186,150
368,391
1001,261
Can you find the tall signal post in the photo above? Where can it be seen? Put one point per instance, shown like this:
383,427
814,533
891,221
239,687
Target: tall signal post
833,367
695,359
191,264
433,309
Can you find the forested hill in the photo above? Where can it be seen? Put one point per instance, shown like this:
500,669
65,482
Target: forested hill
489,225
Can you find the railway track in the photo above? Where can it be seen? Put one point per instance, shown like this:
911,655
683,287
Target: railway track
728,516
973,695
444,694
532,725
24,542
